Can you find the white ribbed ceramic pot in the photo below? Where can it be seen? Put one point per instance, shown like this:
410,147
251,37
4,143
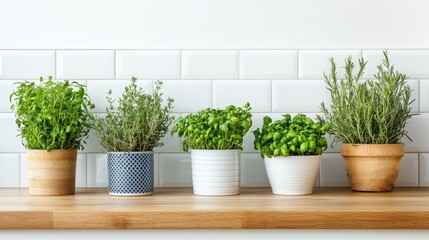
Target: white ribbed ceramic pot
215,172
293,175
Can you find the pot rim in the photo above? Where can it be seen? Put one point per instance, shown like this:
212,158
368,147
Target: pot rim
293,156
126,153
216,150
375,144
373,150
44,150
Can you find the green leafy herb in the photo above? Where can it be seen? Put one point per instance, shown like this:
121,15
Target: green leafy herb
52,114
215,128
288,137
139,121
368,112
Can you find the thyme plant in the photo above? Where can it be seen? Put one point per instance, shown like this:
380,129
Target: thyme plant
373,111
52,114
139,121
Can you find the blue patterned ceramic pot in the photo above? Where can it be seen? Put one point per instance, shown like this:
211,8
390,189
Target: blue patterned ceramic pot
130,173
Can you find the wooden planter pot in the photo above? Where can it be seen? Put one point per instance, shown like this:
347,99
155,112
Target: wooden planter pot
51,173
372,167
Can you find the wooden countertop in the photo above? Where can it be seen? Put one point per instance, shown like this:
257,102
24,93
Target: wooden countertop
255,208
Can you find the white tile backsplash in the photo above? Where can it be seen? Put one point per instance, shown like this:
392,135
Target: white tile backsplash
32,64
424,95
95,64
96,167
275,82
171,143
230,92
414,63
332,171
23,171
409,171
175,170
92,143
148,64
9,170
415,94
299,95
418,130
210,64
189,95
81,170
424,169
313,63
6,88
253,173
10,142
268,64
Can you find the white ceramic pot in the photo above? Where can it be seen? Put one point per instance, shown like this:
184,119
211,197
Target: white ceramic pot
293,175
216,172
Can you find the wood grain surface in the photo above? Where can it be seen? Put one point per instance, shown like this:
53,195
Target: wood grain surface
254,208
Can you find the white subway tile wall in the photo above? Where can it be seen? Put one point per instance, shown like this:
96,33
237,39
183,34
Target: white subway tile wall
275,82
148,64
313,63
268,64
210,64
26,64
94,64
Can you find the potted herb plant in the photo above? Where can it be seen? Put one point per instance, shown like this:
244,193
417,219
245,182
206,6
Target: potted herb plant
53,121
369,118
291,149
129,133
215,139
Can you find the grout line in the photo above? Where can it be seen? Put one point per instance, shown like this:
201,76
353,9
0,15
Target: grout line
297,64
19,171
418,96
238,65
418,170
55,64
114,64
204,49
272,96
180,64
213,95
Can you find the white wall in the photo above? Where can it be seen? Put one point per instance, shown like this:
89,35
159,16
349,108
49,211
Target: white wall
270,53
210,24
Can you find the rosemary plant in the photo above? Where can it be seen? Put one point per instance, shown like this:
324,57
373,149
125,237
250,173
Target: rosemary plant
373,111
139,121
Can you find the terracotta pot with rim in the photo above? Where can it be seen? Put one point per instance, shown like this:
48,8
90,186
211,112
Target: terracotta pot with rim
53,172
372,167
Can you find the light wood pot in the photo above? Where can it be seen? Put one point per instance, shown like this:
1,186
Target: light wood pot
53,172
372,167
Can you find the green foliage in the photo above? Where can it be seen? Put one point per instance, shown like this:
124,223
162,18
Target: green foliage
52,114
290,137
138,123
215,128
371,111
